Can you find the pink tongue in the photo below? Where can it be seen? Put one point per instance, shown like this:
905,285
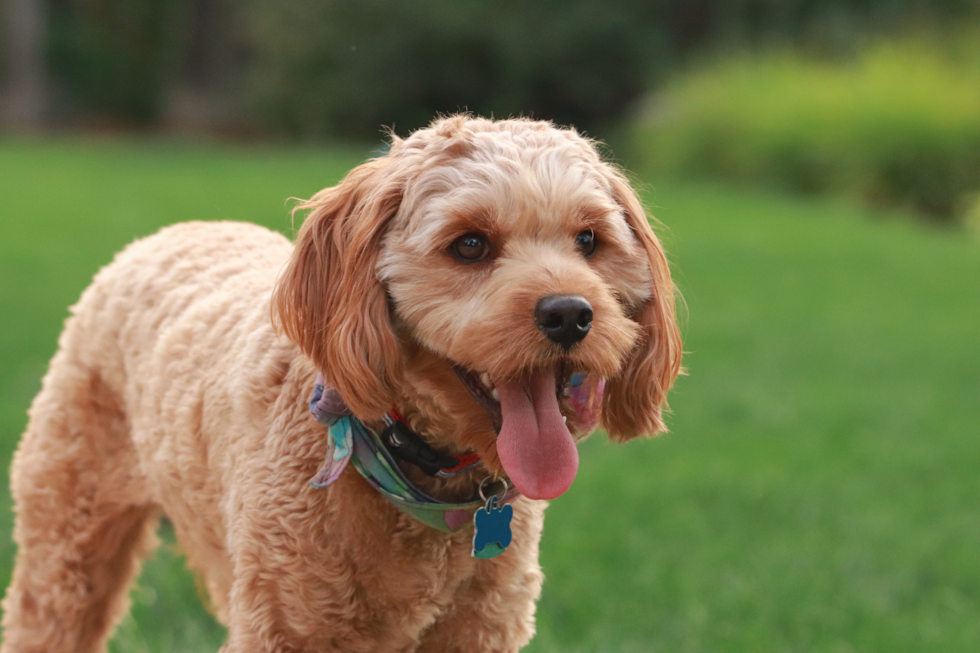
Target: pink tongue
535,448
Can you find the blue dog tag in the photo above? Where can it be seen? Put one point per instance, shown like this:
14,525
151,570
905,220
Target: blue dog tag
492,536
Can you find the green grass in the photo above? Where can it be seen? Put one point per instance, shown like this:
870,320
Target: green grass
818,492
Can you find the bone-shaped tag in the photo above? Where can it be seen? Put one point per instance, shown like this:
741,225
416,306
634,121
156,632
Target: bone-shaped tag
492,536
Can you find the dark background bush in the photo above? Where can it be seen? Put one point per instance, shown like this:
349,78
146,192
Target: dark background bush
348,67
112,57
340,68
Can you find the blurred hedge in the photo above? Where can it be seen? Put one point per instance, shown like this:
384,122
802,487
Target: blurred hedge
112,57
340,67
898,125
343,68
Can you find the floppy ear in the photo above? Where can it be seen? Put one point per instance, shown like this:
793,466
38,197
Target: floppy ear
328,299
635,398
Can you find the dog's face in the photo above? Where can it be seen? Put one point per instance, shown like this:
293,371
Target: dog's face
495,277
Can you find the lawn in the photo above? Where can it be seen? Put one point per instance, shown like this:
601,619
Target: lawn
818,492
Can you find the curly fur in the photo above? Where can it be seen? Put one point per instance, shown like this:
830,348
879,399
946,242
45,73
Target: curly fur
174,392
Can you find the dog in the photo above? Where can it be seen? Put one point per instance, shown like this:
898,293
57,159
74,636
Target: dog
484,293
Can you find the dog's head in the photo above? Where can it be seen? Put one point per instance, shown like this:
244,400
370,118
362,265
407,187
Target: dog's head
474,274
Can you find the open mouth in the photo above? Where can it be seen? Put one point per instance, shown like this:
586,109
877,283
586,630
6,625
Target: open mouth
485,392
535,447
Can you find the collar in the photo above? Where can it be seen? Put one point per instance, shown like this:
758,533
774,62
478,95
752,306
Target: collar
402,442
350,440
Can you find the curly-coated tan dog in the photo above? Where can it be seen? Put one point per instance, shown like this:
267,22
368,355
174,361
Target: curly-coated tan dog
480,296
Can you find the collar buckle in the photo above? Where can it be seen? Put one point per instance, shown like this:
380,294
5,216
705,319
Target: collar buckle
405,444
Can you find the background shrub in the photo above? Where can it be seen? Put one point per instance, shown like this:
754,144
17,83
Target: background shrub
113,59
341,68
346,68
898,125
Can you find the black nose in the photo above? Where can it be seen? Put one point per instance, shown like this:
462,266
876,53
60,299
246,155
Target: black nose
565,319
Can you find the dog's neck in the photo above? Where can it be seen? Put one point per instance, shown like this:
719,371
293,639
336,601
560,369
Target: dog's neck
441,411
440,472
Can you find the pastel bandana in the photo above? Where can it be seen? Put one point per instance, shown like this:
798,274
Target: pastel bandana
350,440
328,408
584,394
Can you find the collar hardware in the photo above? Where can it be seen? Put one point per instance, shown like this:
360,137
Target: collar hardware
405,444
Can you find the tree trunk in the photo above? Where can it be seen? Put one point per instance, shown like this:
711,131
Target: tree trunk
25,23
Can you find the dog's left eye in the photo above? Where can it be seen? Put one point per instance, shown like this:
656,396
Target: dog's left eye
587,243
471,247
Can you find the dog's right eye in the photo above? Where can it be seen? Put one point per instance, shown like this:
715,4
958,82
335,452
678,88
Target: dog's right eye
471,247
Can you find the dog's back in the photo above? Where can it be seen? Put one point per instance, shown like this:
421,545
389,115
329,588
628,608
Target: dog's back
120,428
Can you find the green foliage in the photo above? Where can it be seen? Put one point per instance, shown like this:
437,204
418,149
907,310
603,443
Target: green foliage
347,68
818,491
899,125
828,24
114,58
342,68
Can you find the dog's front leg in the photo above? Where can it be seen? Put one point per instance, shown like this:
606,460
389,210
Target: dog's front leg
333,570
299,571
494,612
